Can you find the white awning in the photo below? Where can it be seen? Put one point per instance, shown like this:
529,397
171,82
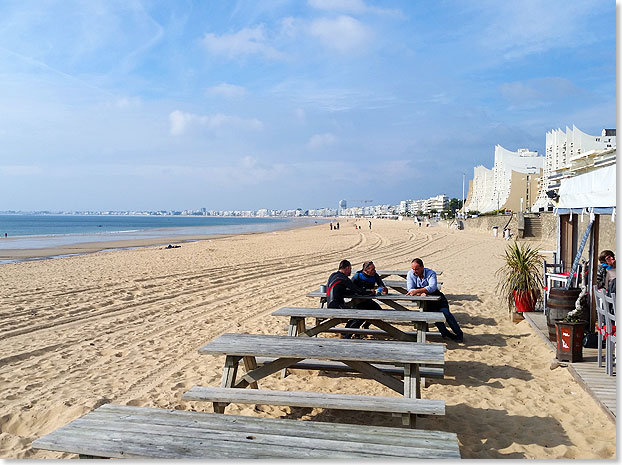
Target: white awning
594,189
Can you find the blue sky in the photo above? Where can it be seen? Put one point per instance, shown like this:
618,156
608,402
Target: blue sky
286,103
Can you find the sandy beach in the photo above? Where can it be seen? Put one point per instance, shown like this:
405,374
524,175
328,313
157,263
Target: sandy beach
124,326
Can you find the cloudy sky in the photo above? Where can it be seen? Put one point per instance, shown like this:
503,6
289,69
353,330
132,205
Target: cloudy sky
286,103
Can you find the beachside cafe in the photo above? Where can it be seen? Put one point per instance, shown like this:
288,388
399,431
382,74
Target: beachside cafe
586,214
585,198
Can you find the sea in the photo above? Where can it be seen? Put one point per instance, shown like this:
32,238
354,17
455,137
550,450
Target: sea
50,231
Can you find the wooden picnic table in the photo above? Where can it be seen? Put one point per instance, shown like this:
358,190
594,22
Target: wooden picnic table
358,355
381,318
124,431
391,299
402,273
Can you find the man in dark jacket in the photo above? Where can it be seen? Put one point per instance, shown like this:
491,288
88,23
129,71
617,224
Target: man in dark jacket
339,286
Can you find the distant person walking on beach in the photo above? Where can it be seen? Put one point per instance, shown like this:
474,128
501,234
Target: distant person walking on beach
337,224
422,281
338,287
370,225
331,226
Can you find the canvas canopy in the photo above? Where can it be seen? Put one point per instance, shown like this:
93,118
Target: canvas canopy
596,189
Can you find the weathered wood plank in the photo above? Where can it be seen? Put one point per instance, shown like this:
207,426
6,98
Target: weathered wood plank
263,371
137,432
317,400
385,297
390,316
395,352
310,364
374,332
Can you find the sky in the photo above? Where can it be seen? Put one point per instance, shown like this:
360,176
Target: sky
149,105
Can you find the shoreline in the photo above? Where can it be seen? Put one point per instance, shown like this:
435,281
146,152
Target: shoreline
9,256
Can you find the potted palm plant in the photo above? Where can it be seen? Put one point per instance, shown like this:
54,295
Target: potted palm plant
520,278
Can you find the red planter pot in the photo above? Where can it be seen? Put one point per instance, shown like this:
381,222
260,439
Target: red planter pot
526,302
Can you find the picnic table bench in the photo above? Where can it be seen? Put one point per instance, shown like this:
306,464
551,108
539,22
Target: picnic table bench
358,355
122,431
381,318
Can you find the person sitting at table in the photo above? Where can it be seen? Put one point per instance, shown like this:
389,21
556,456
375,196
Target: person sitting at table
367,278
340,286
422,281
608,281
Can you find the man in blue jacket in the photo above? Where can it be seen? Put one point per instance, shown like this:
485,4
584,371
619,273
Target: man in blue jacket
422,281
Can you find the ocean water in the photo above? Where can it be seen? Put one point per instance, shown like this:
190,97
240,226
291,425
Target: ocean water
49,231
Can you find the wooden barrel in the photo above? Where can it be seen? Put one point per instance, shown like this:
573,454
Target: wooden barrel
559,303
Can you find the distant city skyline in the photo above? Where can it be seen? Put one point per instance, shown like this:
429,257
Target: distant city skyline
146,105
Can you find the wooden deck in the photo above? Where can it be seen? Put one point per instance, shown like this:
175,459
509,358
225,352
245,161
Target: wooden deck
592,378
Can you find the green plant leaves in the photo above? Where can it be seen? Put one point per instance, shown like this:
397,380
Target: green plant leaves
522,273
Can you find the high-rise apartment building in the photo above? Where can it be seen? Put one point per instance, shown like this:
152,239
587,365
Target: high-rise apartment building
561,148
491,189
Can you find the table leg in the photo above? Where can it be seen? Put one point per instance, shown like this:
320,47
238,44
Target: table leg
412,389
292,330
229,374
422,328
394,305
394,332
249,365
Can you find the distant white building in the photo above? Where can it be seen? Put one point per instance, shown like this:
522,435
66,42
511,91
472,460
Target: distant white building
490,189
438,203
563,147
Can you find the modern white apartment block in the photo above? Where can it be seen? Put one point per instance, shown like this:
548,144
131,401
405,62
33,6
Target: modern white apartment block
412,207
491,189
563,147
438,203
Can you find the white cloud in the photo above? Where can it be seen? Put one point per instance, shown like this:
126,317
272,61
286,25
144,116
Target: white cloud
247,41
180,122
352,6
344,34
536,93
321,140
227,90
21,170
535,26
127,102
300,114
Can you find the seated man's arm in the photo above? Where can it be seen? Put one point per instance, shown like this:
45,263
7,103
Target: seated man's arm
352,288
380,284
432,282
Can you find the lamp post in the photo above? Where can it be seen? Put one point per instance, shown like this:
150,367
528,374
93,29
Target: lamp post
463,206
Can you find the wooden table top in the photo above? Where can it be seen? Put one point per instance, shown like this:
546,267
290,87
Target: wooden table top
391,296
263,345
390,315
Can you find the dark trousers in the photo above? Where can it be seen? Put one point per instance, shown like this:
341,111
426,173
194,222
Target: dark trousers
443,306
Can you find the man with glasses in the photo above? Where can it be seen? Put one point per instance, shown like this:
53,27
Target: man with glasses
368,279
422,281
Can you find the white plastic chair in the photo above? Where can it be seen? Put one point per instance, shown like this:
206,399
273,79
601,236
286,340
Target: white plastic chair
601,318
610,320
